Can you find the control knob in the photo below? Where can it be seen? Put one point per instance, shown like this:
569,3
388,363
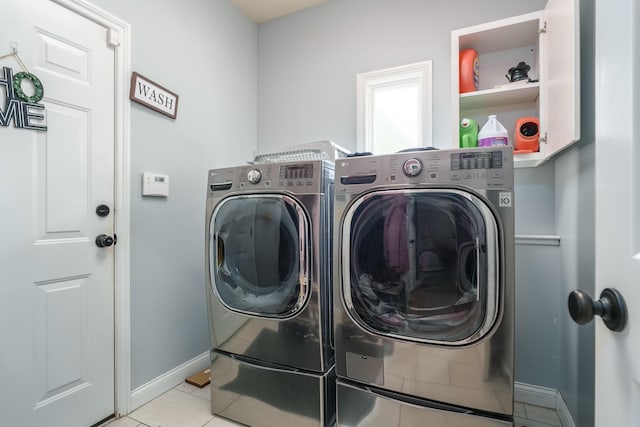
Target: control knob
412,167
254,176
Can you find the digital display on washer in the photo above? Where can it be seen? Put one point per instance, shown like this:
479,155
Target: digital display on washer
483,160
296,171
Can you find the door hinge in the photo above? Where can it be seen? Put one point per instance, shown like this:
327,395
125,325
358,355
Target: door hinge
113,37
543,139
543,30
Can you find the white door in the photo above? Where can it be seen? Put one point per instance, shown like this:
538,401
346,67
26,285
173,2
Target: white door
57,286
618,207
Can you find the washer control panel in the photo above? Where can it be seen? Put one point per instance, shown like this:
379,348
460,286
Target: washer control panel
485,167
474,160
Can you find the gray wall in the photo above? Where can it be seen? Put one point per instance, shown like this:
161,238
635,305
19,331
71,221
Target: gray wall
205,51
307,63
575,208
538,268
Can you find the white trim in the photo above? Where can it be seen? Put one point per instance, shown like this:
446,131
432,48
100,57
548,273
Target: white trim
535,395
563,412
537,239
165,382
366,82
544,397
122,211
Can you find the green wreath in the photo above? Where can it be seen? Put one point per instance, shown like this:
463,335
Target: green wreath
17,86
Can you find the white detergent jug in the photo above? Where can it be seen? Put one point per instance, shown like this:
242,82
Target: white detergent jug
493,133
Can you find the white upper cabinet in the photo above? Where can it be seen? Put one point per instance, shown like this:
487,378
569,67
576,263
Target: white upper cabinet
548,42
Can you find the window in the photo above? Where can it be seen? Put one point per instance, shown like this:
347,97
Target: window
394,108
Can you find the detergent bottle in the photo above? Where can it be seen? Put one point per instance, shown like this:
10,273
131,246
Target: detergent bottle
468,68
468,133
493,133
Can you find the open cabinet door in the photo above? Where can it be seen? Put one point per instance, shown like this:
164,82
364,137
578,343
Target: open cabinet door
561,85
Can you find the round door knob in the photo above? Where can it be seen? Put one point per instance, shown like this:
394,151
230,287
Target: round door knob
611,307
102,241
102,210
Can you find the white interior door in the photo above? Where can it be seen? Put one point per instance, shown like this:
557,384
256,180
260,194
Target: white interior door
57,286
618,207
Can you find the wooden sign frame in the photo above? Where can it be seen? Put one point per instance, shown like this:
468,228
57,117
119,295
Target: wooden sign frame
150,94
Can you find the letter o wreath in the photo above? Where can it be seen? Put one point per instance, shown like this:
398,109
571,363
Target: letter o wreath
17,87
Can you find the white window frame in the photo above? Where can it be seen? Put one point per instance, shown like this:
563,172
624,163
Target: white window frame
368,82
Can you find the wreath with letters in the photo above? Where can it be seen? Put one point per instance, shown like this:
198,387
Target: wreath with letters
17,86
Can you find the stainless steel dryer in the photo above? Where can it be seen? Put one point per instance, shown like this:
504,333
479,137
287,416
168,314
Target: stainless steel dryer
424,288
269,293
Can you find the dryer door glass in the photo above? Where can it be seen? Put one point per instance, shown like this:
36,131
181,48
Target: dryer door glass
422,265
259,255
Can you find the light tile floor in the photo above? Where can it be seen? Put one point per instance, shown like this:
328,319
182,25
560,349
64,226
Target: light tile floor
182,406
535,416
189,406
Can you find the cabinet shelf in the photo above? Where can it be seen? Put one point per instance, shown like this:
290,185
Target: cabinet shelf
528,160
547,41
498,97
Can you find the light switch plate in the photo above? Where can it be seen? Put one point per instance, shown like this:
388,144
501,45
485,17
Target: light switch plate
154,184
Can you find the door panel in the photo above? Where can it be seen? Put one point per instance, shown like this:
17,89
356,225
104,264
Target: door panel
62,335
57,293
62,173
617,181
62,56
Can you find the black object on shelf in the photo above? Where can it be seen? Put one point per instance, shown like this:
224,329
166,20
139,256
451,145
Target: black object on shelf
519,72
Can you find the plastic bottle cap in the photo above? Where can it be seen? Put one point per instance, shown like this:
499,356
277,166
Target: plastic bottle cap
465,123
493,116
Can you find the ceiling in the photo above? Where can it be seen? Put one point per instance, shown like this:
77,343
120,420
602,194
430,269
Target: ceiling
265,10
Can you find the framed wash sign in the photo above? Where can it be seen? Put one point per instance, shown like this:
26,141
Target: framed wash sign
154,96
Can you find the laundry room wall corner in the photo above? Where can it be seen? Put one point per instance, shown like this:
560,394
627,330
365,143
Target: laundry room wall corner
575,212
206,53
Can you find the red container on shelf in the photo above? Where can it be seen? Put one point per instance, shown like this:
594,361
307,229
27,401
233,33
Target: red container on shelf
527,135
469,75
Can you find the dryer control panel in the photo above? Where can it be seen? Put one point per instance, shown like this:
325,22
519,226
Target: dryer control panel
294,177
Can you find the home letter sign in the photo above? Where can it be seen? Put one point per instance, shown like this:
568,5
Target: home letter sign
21,109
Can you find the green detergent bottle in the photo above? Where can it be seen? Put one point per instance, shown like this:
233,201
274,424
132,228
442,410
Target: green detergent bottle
468,133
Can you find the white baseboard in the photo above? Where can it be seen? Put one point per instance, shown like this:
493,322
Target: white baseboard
165,382
544,397
563,413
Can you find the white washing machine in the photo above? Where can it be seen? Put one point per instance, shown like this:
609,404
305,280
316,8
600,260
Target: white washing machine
269,293
424,288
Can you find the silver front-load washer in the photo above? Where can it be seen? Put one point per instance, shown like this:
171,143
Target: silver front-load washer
424,288
269,293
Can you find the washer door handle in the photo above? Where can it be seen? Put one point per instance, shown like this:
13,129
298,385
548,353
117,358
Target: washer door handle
611,307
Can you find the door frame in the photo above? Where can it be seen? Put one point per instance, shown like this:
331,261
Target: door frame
119,37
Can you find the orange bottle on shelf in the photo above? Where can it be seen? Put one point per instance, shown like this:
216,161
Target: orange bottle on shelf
469,75
527,135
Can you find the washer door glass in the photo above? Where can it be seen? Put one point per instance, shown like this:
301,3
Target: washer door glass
259,255
421,265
